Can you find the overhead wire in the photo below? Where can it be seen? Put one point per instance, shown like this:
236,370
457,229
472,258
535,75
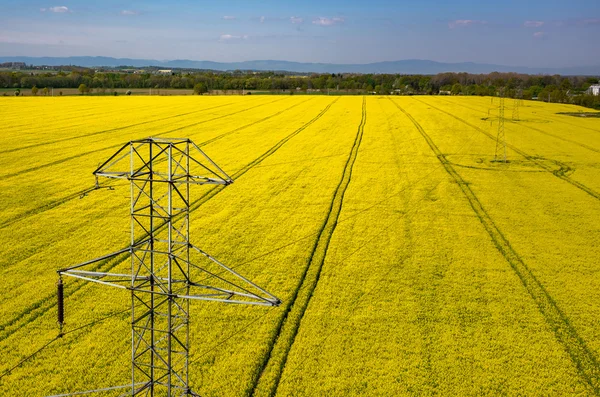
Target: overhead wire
239,331
57,337
29,357
79,393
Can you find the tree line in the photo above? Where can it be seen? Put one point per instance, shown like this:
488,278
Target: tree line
564,89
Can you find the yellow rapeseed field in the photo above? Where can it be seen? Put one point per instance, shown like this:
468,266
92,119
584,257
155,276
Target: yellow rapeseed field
407,260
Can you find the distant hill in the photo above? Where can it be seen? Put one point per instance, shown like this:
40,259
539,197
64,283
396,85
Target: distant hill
409,66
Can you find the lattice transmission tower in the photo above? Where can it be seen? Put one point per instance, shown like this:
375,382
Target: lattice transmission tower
166,270
516,105
500,153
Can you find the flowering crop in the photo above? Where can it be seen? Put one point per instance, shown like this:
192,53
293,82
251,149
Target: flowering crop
407,260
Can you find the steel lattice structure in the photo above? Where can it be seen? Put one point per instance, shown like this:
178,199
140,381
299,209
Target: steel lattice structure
500,153
515,111
163,275
517,103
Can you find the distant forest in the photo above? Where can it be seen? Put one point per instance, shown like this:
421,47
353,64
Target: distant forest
563,89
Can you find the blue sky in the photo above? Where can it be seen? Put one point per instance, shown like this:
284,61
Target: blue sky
521,33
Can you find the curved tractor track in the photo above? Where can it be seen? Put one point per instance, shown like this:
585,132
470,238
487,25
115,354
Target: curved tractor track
583,145
581,355
534,159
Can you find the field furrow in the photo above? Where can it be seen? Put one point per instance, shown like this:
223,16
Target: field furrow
42,306
88,134
83,192
408,261
414,297
583,358
558,173
523,124
65,159
271,368
546,110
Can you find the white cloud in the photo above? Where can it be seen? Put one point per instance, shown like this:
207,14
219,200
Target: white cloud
129,12
229,17
533,24
296,20
262,19
57,9
461,23
322,21
540,35
231,37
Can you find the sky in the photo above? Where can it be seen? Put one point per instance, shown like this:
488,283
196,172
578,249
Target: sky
534,33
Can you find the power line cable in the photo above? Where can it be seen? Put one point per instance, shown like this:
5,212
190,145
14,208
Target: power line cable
240,330
57,337
78,393
29,357
96,321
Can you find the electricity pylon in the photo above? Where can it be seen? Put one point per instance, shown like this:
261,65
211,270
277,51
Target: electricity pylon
500,139
163,276
517,103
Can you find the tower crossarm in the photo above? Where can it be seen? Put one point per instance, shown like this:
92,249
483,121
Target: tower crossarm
131,162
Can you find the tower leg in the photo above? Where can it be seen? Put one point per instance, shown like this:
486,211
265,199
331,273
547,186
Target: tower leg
160,331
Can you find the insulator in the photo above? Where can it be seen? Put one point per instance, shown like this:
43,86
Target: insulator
61,302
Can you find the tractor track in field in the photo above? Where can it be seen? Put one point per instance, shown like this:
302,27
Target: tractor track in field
60,161
288,326
109,130
583,145
551,114
427,291
538,130
582,357
43,305
80,114
84,192
49,206
253,123
576,126
559,174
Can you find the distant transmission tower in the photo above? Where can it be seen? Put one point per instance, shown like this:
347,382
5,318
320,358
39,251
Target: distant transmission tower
517,103
500,139
162,277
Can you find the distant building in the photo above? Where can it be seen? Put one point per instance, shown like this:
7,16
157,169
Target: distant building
594,89
165,71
